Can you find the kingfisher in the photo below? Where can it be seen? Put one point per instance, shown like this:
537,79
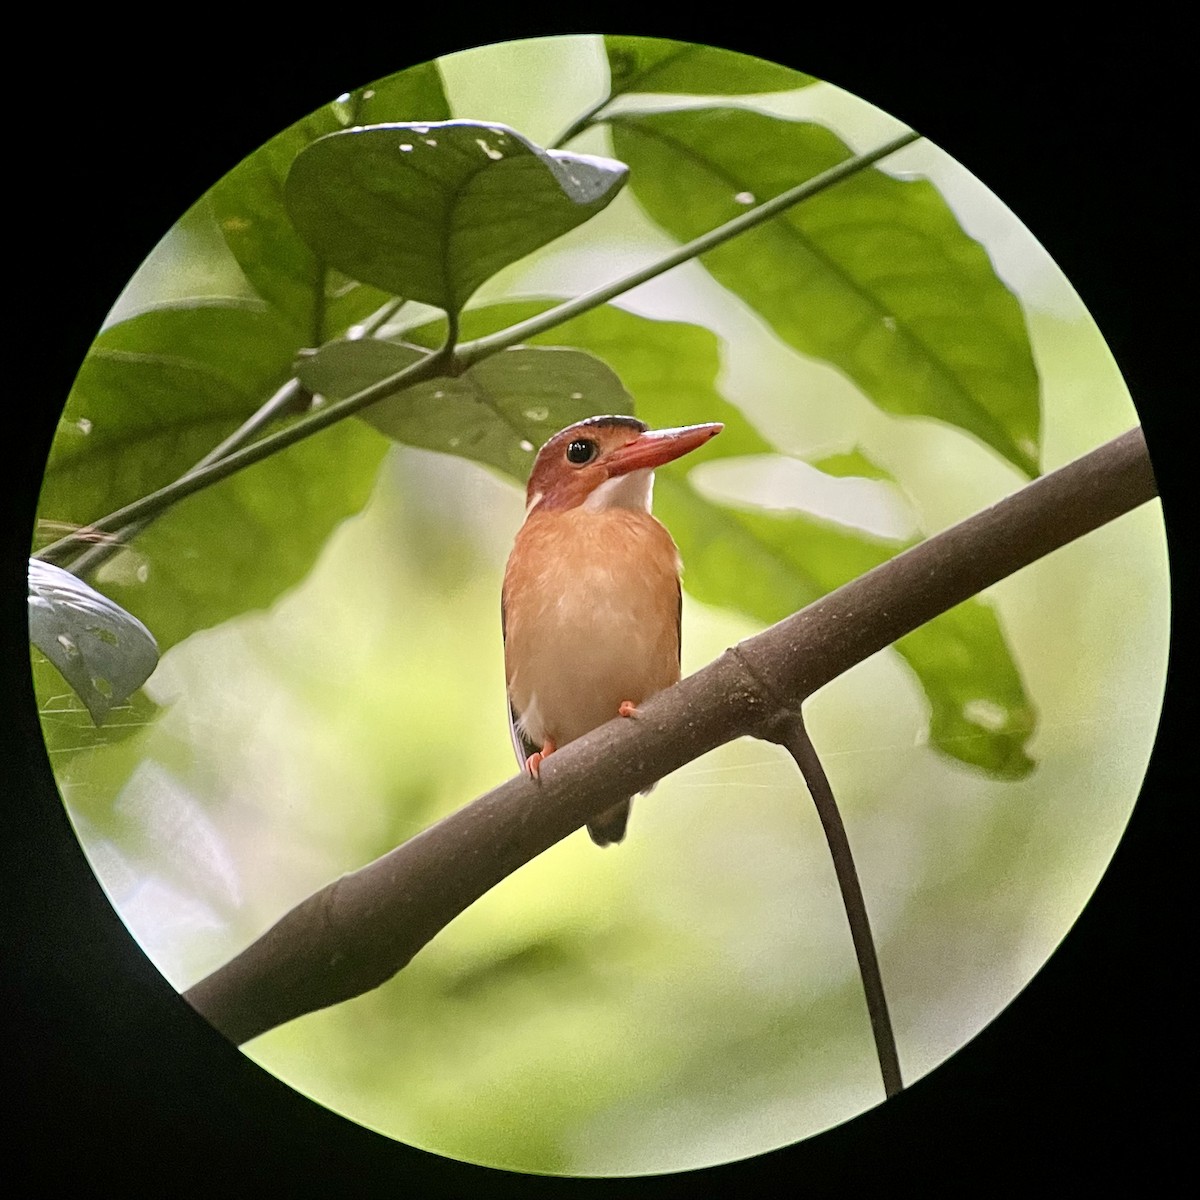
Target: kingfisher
591,604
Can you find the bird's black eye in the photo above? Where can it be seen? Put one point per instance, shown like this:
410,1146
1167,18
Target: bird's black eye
581,451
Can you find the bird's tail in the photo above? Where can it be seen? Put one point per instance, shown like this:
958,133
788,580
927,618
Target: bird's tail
609,827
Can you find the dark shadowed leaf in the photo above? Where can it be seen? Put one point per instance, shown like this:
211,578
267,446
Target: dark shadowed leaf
874,275
498,412
430,211
154,395
657,65
248,206
102,651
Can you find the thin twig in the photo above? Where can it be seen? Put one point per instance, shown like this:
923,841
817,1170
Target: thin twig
202,477
789,732
581,122
284,399
471,352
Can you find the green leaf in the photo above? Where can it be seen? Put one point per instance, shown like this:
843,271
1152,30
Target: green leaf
769,565
854,464
656,65
874,275
498,412
430,211
669,368
155,394
249,209
980,713
415,94
102,651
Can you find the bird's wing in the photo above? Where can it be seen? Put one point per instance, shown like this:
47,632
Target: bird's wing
522,747
521,744
679,623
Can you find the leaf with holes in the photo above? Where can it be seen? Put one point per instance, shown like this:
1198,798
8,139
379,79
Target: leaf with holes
249,209
430,211
670,367
497,412
102,651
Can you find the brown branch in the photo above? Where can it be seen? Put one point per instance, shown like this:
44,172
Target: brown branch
357,932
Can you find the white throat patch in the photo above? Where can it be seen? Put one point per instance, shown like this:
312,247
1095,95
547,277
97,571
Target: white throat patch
633,490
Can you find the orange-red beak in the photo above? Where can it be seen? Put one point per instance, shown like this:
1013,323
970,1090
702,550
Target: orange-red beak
658,446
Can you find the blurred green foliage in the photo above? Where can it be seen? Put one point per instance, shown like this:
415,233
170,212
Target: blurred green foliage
333,679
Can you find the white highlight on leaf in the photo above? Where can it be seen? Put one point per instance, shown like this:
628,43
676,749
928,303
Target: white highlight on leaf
987,714
779,483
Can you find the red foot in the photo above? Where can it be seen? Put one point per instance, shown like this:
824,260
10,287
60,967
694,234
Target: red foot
533,764
627,708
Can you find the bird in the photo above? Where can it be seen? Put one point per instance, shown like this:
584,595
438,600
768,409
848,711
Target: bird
591,602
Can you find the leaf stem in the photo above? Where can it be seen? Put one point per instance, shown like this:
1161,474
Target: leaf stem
471,352
581,122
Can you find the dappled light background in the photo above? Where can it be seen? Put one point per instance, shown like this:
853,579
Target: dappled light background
691,996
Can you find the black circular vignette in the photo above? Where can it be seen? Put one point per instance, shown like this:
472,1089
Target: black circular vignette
121,1084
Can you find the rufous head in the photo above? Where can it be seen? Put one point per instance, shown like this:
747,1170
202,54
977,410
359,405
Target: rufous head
607,462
